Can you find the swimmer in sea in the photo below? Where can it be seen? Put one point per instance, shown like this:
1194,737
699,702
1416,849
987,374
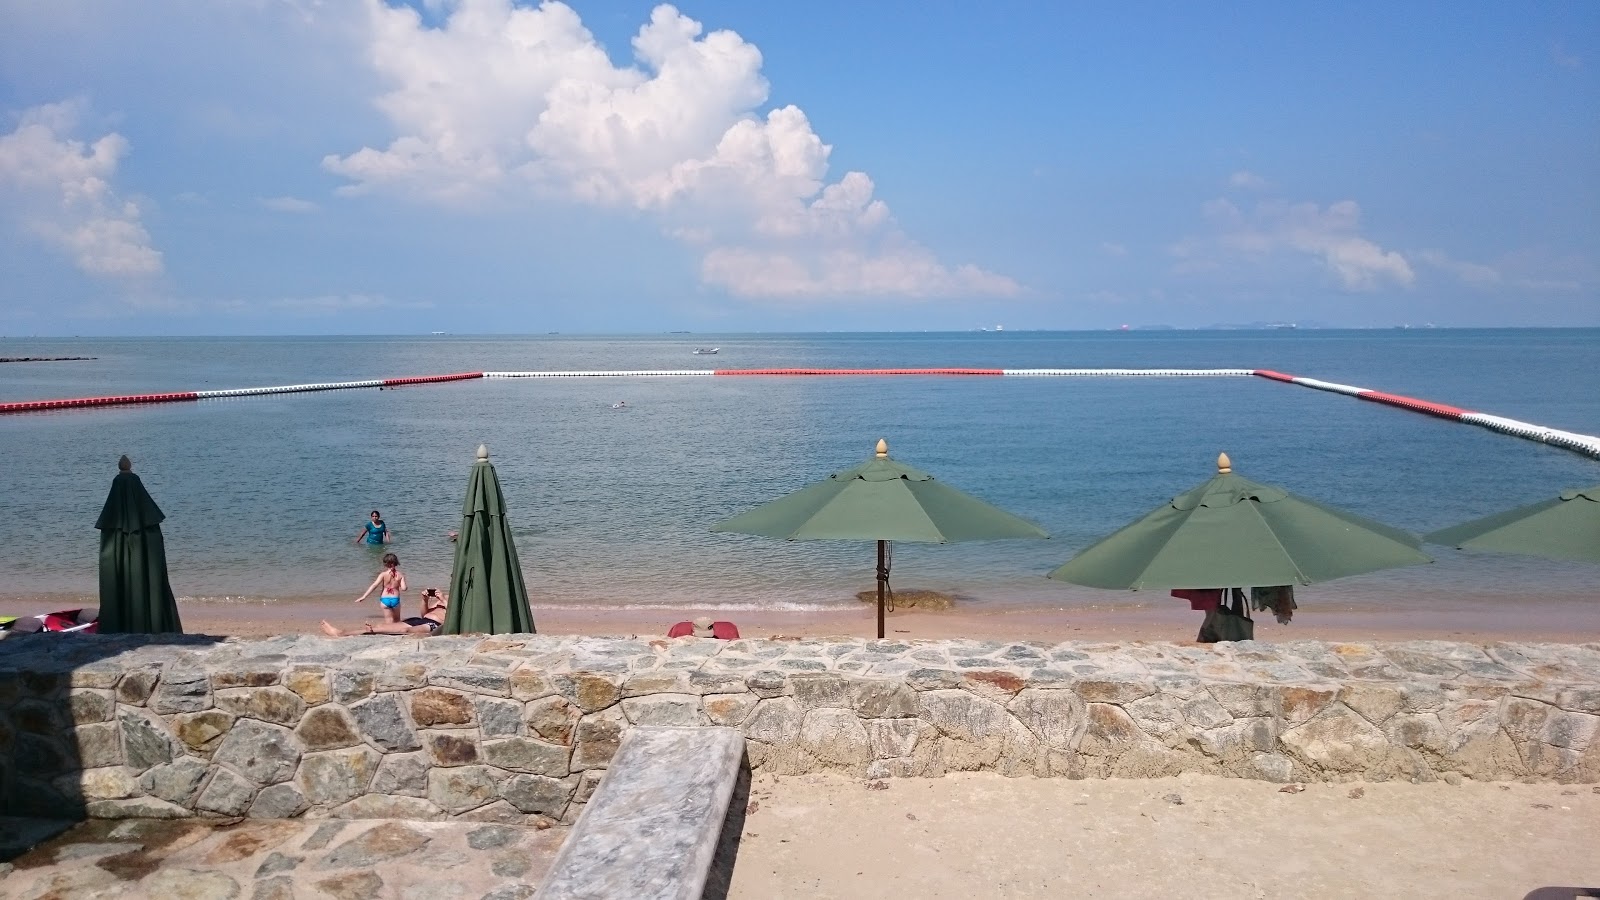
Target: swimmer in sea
620,404
374,532
426,625
393,582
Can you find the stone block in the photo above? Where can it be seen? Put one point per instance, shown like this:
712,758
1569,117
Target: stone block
1117,689
280,801
552,718
352,685
99,744
244,676
775,721
136,808
451,748
86,706
767,683
202,731
892,738
882,699
477,679
404,774
539,793
498,718
277,705
382,806
836,738
1338,741
175,782
328,728
226,794
681,710
998,685
597,738
146,742
530,683
1374,702
1057,718
108,783
390,840
181,690
136,685
461,788
590,692
267,754
310,685
528,756
729,710
433,707
333,777
385,724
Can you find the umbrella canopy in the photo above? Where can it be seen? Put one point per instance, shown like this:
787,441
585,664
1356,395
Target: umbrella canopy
881,500
1564,527
1232,532
487,595
135,595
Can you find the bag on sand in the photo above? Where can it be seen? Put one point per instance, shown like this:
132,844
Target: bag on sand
1234,624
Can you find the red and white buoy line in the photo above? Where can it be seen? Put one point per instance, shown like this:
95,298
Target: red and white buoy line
1588,445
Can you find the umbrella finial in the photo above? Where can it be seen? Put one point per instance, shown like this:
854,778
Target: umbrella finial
1224,464
124,464
883,448
483,453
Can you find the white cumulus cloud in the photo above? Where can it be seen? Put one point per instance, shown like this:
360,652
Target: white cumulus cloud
59,188
1273,228
499,97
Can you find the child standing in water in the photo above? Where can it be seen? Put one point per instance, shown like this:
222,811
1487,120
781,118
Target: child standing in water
393,582
374,532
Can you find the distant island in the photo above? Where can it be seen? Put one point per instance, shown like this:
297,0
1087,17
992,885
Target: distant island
6,359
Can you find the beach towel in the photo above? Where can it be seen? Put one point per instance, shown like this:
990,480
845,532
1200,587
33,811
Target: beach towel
1279,599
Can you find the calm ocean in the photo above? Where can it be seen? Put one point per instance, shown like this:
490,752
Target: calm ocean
263,495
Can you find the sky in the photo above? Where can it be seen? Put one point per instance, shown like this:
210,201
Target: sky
175,167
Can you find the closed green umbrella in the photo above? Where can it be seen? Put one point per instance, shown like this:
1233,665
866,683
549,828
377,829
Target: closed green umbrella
487,595
1564,527
135,595
1233,532
880,500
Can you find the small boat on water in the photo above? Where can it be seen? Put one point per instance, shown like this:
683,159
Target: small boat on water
706,351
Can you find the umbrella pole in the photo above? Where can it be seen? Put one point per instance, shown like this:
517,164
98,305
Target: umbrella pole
883,580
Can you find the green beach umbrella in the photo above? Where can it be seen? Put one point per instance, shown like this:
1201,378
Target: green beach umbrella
135,595
1232,532
1564,527
880,500
486,591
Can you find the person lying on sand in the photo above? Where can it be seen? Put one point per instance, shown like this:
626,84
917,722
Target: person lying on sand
434,605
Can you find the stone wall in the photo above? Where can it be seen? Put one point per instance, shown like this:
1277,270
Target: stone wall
519,729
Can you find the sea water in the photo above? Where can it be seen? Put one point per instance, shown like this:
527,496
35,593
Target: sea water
264,496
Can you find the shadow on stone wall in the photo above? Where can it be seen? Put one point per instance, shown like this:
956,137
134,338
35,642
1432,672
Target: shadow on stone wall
63,741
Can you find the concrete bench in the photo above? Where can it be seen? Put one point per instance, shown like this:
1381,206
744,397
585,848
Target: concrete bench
653,826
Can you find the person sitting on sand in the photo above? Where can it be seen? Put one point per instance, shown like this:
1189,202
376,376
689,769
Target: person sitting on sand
425,625
393,581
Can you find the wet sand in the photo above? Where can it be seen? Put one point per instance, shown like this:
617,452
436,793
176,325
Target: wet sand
1473,622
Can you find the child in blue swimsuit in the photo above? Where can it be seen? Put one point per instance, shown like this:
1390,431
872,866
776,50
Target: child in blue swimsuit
392,582
374,532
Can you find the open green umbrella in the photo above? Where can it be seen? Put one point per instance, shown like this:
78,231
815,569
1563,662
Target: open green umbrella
487,595
135,595
880,500
1564,527
1233,532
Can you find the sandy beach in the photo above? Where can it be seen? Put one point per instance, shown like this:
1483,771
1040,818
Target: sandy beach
1480,620
983,835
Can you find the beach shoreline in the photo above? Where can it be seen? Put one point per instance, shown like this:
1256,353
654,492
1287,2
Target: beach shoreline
1156,619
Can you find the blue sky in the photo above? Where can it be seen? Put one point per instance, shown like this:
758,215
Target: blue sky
293,166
